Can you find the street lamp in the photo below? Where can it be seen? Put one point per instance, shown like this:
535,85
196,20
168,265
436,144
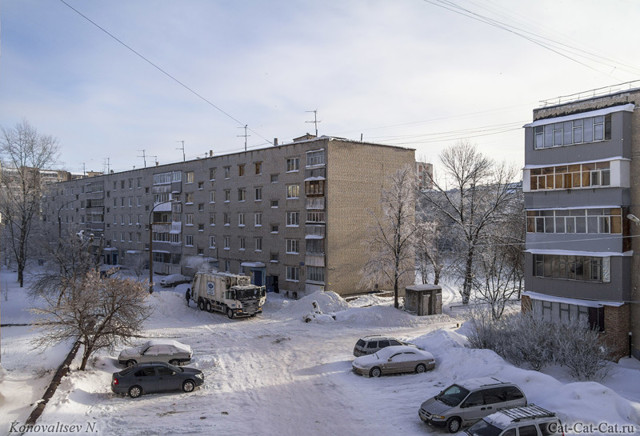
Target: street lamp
151,243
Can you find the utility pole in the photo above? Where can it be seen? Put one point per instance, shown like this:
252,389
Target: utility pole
108,164
315,120
182,148
144,157
245,135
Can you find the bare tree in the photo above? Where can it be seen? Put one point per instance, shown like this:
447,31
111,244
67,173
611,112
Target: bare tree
429,250
24,154
473,194
96,311
390,243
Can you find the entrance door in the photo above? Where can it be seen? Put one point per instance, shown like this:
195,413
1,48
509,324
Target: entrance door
272,284
258,277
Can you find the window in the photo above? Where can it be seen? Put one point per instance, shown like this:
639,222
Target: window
274,204
227,172
212,173
293,164
201,227
242,194
571,176
292,246
258,244
258,193
314,187
212,196
293,274
188,219
227,195
315,217
315,246
243,243
582,268
241,170
212,241
188,240
293,219
274,228
200,186
293,191
241,219
257,219
602,221
258,167
227,243
585,130
274,178
212,219
188,177
200,207
188,197
226,219
273,257
315,158
315,274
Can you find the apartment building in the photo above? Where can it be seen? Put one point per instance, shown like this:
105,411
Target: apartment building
293,216
579,184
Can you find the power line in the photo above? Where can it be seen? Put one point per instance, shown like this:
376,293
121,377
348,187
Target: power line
157,67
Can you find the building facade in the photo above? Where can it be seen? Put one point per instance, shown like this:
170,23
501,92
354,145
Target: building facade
580,187
292,216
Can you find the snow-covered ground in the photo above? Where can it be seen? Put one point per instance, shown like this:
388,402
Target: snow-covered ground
277,375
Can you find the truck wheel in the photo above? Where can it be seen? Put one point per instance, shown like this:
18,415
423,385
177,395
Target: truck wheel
208,306
200,304
230,313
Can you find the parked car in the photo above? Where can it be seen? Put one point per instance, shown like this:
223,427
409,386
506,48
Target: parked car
173,280
393,360
530,420
371,344
146,378
156,350
464,403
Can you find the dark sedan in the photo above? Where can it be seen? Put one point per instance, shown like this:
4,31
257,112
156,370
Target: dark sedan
147,378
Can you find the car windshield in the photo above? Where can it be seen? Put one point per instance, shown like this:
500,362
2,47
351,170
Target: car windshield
483,428
246,294
453,395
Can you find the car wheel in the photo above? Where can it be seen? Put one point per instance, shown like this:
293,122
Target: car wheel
453,425
230,313
174,362
201,304
375,372
131,363
188,386
135,391
421,368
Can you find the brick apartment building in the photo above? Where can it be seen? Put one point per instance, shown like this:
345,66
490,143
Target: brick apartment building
581,183
293,216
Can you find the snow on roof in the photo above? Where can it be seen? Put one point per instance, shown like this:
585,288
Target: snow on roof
475,383
574,301
313,179
176,344
253,264
314,237
579,253
625,107
529,167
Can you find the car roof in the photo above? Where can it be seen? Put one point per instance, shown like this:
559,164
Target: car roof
505,417
480,382
378,337
387,351
176,344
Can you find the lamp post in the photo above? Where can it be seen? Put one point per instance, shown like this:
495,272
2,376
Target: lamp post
151,243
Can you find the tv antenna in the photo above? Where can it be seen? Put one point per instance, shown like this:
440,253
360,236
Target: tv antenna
315,120
245,136
182,148
144,157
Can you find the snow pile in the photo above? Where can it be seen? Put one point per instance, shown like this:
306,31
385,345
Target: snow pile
328,302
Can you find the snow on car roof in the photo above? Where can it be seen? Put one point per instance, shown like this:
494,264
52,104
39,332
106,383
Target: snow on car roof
475,383
176,344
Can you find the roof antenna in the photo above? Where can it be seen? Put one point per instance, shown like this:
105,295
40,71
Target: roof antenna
144,157
182,148
315,120
245,135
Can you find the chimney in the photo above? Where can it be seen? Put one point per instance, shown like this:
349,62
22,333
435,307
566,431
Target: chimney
210,153
275,142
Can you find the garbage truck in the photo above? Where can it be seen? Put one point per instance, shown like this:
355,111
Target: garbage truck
227,293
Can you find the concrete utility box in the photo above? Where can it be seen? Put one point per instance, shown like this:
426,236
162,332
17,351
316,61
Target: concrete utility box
423,299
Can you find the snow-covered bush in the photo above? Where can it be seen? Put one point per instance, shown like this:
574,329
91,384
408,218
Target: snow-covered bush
525,338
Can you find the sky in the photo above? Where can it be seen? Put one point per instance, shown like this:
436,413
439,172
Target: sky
122,84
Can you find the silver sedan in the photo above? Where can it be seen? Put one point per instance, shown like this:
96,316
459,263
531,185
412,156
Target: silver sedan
394,360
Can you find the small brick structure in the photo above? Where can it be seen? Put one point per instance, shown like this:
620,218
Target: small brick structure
423,299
